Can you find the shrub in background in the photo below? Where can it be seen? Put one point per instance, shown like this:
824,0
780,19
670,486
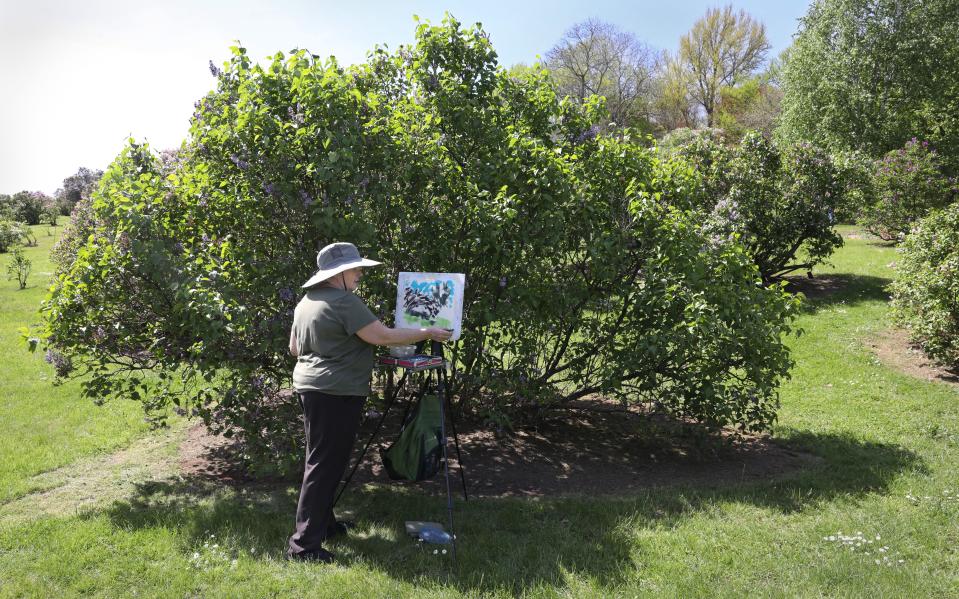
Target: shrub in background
780,202
684,136
855,171
19,268
6,207
28,206
908,183
706,151
925,293
75,188
11,234
588,269
50,215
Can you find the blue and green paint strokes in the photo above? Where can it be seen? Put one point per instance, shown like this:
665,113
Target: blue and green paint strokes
423,302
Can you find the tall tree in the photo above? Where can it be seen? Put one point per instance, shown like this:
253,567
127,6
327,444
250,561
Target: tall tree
723,48
753,105
869,75
595,57
672,106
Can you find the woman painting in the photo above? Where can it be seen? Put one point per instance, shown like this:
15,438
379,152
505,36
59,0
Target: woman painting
332,338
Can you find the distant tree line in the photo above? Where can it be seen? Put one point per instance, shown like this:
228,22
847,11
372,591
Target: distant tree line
714,79
36,207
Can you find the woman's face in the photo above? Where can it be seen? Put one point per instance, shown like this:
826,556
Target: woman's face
352,277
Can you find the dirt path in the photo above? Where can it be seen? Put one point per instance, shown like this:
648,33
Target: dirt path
98,480
893,349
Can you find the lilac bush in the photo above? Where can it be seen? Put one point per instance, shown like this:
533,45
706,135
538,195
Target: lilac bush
778,201
907,184
589,270
925,293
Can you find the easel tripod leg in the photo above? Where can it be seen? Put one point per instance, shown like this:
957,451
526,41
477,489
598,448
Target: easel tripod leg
456,438
441,390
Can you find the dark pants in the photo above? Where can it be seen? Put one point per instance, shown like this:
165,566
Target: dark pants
330,422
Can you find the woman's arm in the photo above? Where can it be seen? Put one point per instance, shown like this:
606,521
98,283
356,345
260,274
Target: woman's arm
293,344
377,333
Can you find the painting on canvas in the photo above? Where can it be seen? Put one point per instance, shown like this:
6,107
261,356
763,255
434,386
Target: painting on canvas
430,299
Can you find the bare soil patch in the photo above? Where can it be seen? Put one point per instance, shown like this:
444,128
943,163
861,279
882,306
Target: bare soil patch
816,287
894,349
592,451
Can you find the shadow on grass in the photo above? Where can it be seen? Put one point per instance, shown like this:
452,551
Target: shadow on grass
505,544
828,289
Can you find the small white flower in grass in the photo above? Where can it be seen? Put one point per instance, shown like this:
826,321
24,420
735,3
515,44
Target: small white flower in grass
444,552
878,538
877,562
435,552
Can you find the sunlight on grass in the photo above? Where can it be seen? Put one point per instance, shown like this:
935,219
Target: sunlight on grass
878,515
46,426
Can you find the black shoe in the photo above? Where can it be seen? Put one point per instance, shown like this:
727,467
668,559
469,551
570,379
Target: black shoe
340,528
317,555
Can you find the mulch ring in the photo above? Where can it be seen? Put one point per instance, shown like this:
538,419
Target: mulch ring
595,449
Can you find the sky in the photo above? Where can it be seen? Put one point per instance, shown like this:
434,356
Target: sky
79,78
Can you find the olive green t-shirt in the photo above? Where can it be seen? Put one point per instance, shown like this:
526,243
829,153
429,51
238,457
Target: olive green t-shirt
331,358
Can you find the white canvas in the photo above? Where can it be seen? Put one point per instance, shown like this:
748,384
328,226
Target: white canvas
430,299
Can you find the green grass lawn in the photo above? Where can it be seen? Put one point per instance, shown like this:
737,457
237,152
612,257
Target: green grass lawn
888,473
45,427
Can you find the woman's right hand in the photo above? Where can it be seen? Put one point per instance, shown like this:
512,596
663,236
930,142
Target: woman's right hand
438,334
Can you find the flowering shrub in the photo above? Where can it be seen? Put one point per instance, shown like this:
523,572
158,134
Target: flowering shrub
706,152
908,183
684,136
588,270
6,207
75,188
779,202
28,206
925,293
11,234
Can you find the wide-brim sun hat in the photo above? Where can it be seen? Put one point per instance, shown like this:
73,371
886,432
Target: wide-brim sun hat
336,258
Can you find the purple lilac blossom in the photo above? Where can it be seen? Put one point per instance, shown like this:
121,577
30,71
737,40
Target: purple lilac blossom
62,364
588,135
